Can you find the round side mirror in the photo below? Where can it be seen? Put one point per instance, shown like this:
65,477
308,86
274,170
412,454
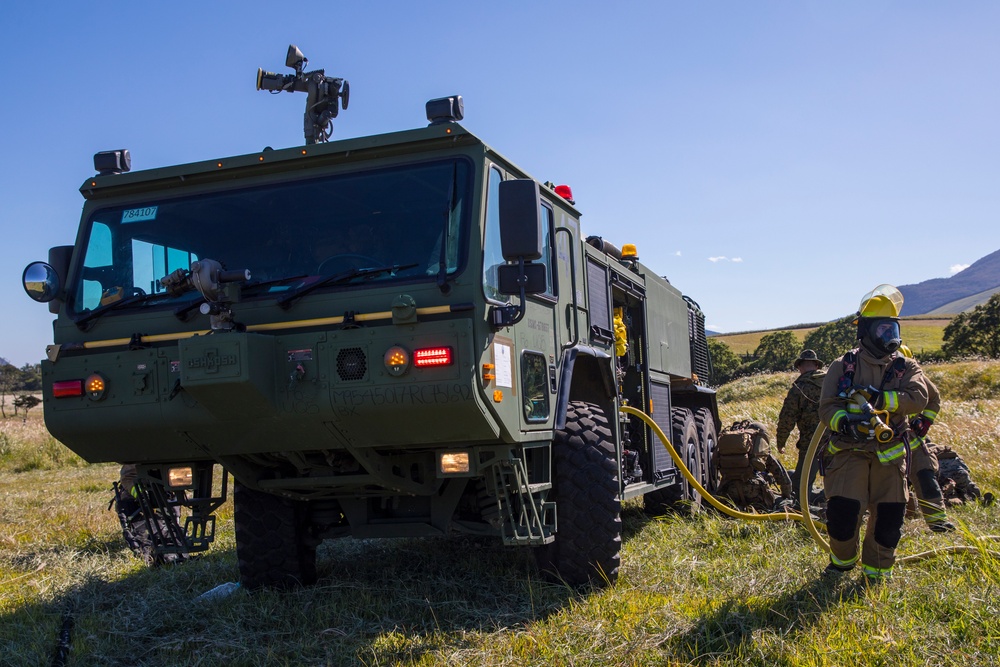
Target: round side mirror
41,282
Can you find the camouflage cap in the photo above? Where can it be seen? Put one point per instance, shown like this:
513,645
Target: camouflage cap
808,355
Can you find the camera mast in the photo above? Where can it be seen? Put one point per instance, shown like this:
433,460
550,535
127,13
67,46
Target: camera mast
325,95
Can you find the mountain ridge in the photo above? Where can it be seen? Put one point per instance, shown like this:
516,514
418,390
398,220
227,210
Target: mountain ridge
948,296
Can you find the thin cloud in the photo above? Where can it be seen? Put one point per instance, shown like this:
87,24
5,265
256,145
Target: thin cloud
723,258
737,260
717,259
956,268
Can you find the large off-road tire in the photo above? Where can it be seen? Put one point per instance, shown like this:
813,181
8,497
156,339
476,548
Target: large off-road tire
587,545
708,442
273,547
684,438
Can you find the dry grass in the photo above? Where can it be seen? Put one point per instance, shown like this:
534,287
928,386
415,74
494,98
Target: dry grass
746,343
26,445
693,590
922,334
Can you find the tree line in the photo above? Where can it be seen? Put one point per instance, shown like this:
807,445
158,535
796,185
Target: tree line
972,334
18,385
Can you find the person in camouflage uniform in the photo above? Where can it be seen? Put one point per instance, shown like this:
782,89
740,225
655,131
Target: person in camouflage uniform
750,475
800,410
955,478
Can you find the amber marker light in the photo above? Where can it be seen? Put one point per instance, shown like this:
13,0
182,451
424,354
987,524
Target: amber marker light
497,396
432,356
397,360
453,463
96,386
67,388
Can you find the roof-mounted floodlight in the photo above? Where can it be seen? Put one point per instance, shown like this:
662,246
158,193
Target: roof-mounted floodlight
295,59
112,162
445,110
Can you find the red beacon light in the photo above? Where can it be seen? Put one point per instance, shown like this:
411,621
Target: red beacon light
566,193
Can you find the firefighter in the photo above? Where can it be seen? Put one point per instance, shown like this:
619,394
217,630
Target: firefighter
923,468
801,409
866,397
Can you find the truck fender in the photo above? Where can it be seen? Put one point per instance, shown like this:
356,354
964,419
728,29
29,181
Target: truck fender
586,375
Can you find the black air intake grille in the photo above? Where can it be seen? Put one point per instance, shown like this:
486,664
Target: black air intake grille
699,344
600,308
352,364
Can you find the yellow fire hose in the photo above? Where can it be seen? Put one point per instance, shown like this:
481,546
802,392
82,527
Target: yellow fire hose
804,517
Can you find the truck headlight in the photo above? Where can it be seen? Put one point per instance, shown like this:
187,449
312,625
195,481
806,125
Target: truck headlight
180,477
453,463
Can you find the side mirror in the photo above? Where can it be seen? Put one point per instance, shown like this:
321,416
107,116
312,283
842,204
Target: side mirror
520,220
510,278
41,282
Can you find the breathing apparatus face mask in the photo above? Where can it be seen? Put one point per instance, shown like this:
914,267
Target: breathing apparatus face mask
882,336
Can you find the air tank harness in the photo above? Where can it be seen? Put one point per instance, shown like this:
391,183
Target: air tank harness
806,518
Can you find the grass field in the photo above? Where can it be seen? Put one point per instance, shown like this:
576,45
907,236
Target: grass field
699,589
920,334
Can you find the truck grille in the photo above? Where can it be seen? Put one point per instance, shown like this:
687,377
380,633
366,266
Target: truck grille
352,364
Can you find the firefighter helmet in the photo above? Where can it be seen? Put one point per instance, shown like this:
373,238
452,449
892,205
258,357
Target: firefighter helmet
878,320
883,301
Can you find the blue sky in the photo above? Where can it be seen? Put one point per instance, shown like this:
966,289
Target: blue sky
774,159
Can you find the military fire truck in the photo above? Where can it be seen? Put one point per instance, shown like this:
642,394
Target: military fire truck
393,335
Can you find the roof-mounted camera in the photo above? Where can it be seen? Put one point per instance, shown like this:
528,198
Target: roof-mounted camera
326,95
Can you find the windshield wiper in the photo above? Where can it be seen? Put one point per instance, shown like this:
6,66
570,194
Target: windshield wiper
286,300
82,321
270,283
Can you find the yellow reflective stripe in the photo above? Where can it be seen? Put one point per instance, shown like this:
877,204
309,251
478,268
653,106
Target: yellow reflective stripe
835,420
930,414
833,449
886,455
916,442
843,563
854,408
891,400
876,572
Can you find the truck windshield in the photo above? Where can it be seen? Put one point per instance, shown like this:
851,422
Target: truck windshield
413,216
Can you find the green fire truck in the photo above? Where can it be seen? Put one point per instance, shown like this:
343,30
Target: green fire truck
401,335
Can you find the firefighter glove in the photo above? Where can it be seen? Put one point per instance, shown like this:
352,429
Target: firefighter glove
849,429
875,397
920,425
